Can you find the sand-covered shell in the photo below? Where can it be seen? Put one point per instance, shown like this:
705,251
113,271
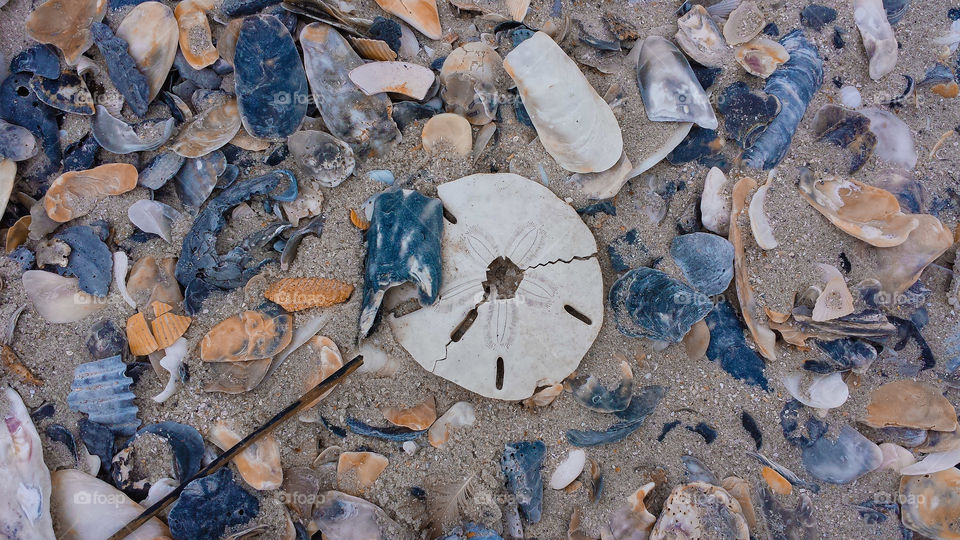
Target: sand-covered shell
743,23
761,56
860,210
325,359
879,41
412,80
209,505
447,131
326,159
66,24
670,90
700,510
16,143
700,38
357,471
420,14
577,127
895,142
847,129
910,404
521,463
151,32
930,504
649,303
58,299
419,417
706,260
196,38
296,294
339,515
251,335
843,458
258,464
209,130
102,390
76,193
469,78
86,507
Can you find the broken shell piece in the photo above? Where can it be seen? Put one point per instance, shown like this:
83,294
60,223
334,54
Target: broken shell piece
172,360
296,294
116,136
153,217
606,184
910,404
16,143
66,24
841,459
578,128
544,396
101,389
196,39
860,210
596,397
495,250
26,513
76,193
700,38
518,9
759,224
761,56
17,234
569,469
715,202
825,392
411,80
931,503
417,418
743,23
251,335
894,138
779,484
373,49
460,414
668,86
835,301
327,159
58,299
739,489
649,303
879,41
84,507
139,336
237,377
420,14
153,281
697,340
469,78
67,93
259,464
895,457
706,260
633,521
151,32
700,510
357,471
209,130
168,327
900,267
448,130
326,361
762,334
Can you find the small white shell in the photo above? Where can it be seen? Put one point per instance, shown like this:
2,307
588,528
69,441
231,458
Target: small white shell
153,217
568,470
175,355
120,265
878,38
715,202
460,414
825,392
759,224
933,463
850,97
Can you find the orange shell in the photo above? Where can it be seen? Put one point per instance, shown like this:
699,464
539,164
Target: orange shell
66,24
154,280
159,308
356,471
168,327
418,417
358,221
779,484
258,464
17,234
295,294
12,363
948,90
196,39
373,49
328,361
139,337
75,193
251,335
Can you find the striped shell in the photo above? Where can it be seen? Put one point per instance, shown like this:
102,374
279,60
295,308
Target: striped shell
373,49
295,294
139,336
168,327
102,390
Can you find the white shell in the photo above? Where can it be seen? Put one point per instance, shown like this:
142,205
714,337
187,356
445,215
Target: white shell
895,457
850,97
25,506
8,176
175,355
575,124
835,301
58,299
894,138
933,463
411,80
86,507
569,469
505,216
759,224
715,202
825,392
120,266
153,217
668,86
460,414
878,38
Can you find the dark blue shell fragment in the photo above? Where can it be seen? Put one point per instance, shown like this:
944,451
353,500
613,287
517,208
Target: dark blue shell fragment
277,156
197,177
208,505
90,259
23,257
403,245
230,175
631,418
794,83
816,16
40,60
700,144
520,111
746,113
271,83
628,251
408,112
771,30
80,155
649,303
907,330
521,462
846,129
594,396
105,340
161,169
388,433
895,9
605,207
240,8
19,105
954,14
202,78
752,428
67,93
729,347
386,30
98,439
335,429
186,442
123,71
667,428
705,430
790,425
705,259
57,432
288,18
706,76
841,355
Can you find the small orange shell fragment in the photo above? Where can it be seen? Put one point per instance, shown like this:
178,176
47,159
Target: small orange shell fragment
12,363
168,327
358,221
356,471
295,294
373,49
159,308
326,361
17,234
258,464
948,90
139,337
418,417
779,484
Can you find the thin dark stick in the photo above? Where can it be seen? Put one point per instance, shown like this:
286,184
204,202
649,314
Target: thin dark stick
224,458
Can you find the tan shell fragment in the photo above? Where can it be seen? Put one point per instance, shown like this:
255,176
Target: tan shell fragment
761,56
420,14
237,377
744,23
326,359
835,301
168,327
154,281
900,267
700,510
227,42
739,489
296,294
258,464
139,337
66,24
543,397
357,471
196,38
17,234
860,210
418,417
930,504
251,335
700,38
447,130
910,404
518,9
58,299
460,414
76,193
697,340
412,80
373,49
152,36
209,130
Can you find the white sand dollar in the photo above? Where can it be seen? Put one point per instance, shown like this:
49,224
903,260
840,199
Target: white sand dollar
522,294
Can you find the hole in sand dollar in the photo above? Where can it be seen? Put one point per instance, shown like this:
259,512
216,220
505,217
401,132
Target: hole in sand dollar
577,314
503,279
462,328
449,216
499,373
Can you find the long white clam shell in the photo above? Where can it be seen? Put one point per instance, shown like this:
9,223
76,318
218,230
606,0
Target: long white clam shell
575,125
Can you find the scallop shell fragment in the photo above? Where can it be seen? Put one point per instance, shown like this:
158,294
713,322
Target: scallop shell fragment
700,38
296,294
196,38
411,80
668,86
761,56
258,464
209,130
76,193
373,49
576,127
102,390
139,336
420,14
450,131
151,32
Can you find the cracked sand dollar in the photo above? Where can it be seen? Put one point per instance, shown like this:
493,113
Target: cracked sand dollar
521,299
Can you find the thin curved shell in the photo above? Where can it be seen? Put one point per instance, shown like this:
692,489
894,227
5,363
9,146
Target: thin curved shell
76,193
576,126
86,507
209,130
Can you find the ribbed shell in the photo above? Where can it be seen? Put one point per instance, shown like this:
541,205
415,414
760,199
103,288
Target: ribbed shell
102,390
295,294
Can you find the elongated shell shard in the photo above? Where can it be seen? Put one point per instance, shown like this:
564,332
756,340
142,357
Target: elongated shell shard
879,41
152,35
575,125
668,86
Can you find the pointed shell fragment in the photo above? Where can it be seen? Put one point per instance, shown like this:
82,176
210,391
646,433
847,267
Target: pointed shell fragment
448,130
460,414
412,80
670,90
84,507
761,56
66,24
196,38
420,14
296,294
900,267
357,471
58,299
151,32
879,41
910,404
418,417
326,360
76,193
700,38
259,464
251,335
759,223
139,336
209,130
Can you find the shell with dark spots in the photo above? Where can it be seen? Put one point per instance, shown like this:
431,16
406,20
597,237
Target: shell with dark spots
521,463
209,505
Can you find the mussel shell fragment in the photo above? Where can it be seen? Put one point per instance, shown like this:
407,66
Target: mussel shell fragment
67,93
841,460
641,405
116,136
649,303
208,505
521,463
102,390
197,178
123,71
728,346
90,260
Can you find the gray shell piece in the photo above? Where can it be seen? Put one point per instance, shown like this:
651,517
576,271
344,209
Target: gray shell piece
669,88
842,460
102,390
705,259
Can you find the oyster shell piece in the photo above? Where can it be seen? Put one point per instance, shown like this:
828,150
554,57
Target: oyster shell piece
594,396
151,32
161,169
16,143
153,281
841,460
153,217
879,41
700,510
420,14
496,251
362,121
700,38
931,503
900,267
58,299
25,512
633,521
447,130
910,404
209,505
329,160
116,136
259,464
759,223
196,39
209,130
357,471
419,417
87,507
66,24
648,303
865,212
761,56
412,80
668,86
19,105
43,60
102,390
339,515
744,23
122,69
715,202
794,84
578,129
706,260
251,335
76,193
521,463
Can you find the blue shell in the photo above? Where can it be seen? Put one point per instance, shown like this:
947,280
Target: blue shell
197,177
627,250
700,144
17,143
705,259
596,397
695,470
67,93
521,463
631,418
39,60
408,112
794,83
388,433
102,390
123,71
952,344
846,129
841,460
841,355
105,340
649,303
23,257
816,16
186,443
746,113
161,169
895,9
57,432
19,105
240,8
403,245
202,78
90,260
98,439
208,505
729,347
81,155
271,84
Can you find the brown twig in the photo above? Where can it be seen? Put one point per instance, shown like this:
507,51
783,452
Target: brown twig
291,410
